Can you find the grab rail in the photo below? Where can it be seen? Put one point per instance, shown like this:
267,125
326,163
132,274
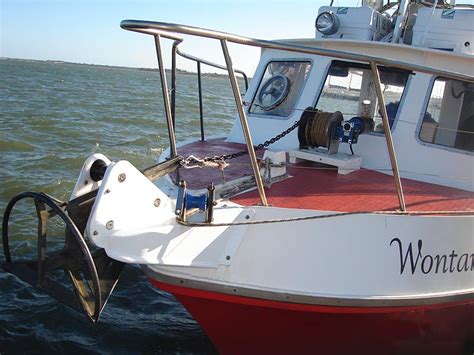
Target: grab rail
198,61
175,51
154,28
157,28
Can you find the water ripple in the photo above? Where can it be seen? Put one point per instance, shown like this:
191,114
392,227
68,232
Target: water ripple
52,117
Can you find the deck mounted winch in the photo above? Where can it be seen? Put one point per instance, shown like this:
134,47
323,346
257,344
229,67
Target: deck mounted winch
328,129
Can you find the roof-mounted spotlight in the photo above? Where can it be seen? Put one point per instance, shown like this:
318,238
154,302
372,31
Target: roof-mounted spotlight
327,23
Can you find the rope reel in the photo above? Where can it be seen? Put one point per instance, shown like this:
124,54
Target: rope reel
317,128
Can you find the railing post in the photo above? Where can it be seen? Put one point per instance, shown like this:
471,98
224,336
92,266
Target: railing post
201,116
173,81
243,122
166,99
388,135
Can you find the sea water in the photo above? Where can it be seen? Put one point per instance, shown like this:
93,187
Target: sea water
52,116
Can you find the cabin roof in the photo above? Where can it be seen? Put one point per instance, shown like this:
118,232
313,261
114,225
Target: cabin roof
437,60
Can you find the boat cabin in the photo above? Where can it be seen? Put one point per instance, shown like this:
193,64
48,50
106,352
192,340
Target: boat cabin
379,105
430,117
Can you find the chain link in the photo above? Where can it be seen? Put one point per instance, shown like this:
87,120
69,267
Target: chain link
219,159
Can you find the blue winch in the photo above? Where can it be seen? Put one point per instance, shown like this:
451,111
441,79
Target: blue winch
328,129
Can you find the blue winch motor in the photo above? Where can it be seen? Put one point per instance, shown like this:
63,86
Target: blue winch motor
349,131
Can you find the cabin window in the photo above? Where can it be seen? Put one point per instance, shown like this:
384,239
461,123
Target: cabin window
349,88
449,116
280,88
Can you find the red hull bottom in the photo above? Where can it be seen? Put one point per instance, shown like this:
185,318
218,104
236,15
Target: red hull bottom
241,325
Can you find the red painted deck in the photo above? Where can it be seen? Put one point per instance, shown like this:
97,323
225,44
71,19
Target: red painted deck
314,187
200,178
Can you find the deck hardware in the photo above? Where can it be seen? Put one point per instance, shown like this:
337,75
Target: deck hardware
109,225
107,191
122,177
166,97
157,202
244,123
95,233
97,170
174,51
187,204
211,193
180,210
388,136
227,257
161,169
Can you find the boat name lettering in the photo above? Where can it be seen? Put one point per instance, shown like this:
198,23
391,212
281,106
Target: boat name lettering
414,261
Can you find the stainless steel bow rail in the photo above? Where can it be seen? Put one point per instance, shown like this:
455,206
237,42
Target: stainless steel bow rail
169,30
199,61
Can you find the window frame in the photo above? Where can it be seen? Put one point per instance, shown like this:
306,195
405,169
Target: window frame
422,116
293,109
411,74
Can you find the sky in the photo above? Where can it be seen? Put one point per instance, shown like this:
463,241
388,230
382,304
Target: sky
88,31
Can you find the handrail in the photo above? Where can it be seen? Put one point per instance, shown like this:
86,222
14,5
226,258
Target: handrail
198,61
157,28
153,28
157,33
215,65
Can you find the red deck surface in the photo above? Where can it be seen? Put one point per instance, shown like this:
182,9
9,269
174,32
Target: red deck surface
200,178
314,187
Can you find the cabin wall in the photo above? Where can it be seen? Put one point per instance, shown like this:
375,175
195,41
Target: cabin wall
417,160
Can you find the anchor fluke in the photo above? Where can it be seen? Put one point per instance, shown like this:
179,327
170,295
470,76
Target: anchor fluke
93,274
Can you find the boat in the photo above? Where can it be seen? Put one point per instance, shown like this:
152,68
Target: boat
336,216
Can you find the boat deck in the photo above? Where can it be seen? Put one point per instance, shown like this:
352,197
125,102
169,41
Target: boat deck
314,186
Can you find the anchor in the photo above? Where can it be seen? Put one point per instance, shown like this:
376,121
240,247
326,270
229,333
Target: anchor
92,273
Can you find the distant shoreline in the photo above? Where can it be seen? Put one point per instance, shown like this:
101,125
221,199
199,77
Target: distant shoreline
179,71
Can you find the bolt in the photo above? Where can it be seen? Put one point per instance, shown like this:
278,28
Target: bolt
95,233
247,217
109,225
122,177
107,191
86,182
157,202
227,257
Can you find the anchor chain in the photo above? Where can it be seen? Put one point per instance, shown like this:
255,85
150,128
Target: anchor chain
220,161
